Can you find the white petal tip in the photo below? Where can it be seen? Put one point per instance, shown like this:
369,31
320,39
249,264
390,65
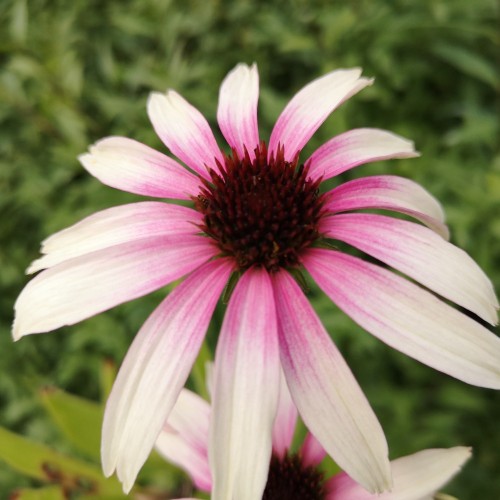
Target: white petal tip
17,333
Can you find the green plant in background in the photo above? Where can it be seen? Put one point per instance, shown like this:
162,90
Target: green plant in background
72,72
76,473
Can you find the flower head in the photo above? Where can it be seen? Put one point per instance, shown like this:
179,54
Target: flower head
298,475
258,212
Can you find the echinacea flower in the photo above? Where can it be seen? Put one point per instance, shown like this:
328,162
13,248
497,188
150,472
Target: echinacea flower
258,214
290,475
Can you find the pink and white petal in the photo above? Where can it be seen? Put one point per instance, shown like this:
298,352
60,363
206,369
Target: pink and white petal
285,422
173,448
312,452
115,226
356,147
245,390
407,317
87,285
184,439
389,192
310,107
155,370
328,398
416,477
128,165
421,254
184,130
237,111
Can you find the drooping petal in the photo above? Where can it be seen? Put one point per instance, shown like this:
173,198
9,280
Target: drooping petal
237,111
355,147
407,317
245,390
310,107
155,370
184,439
184,130
325,391
389,192
92,283
421,254
128,165
114,226
286,419
416,477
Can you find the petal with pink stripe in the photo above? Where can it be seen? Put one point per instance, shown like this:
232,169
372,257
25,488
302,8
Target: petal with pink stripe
421,254
407,317
416,477
115,226
245,390
328,398
155,369
356,147
184,438
128,165
237,111
389,192
87,285
286,419
310,107
184,130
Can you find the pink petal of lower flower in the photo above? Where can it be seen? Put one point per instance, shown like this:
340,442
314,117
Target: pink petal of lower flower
407,317
155,370
128,165
237,112
325,391
184,439
184,130
416,477
355,147
310,107
115,226
421,254
285,422
87,285
245,390
312,452
389,192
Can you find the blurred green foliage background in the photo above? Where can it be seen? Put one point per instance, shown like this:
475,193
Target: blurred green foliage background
73,72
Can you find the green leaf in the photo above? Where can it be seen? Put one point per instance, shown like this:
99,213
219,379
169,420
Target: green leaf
78,419
40,462
48,493
470,63
107,378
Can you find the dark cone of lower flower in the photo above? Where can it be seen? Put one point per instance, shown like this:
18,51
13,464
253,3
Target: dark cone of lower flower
263,211
290,479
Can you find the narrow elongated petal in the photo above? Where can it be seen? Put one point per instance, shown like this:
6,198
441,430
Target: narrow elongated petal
184,439
87,285
237,111
310,107
184,130
325,391
407,317
421,254
355,147
286,419
389,192
115,226
245,391
128,165
416,477
155,370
